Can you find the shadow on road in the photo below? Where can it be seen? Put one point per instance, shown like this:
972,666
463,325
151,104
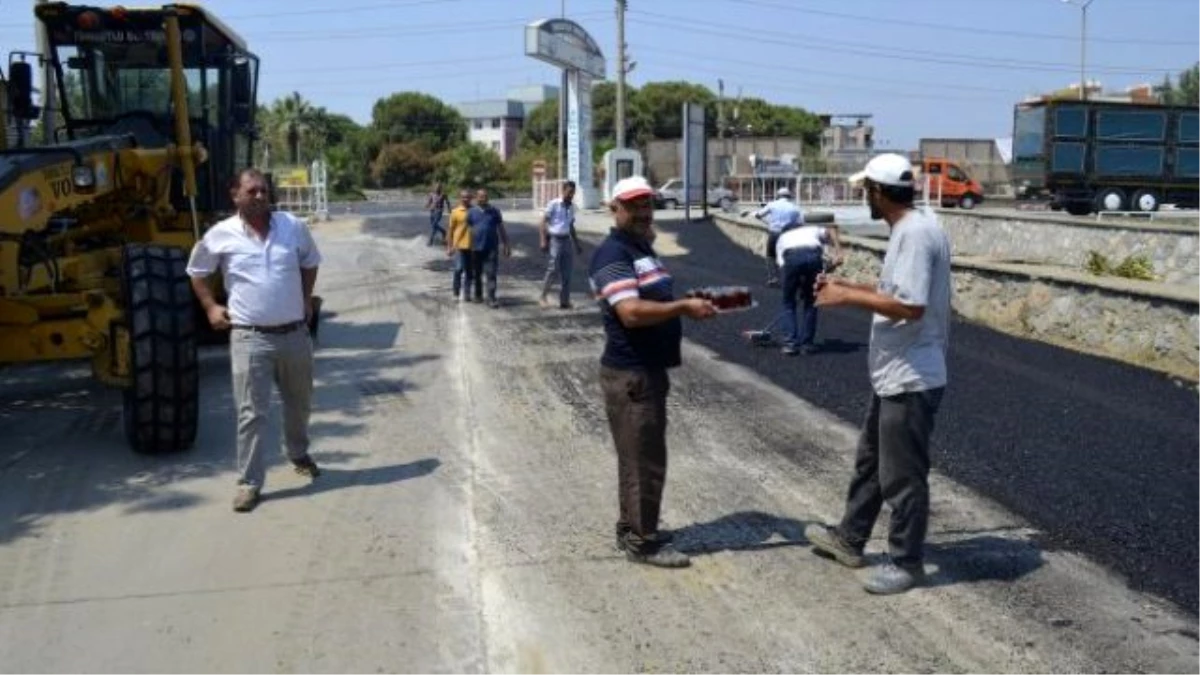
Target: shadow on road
742,531
985,558
340,479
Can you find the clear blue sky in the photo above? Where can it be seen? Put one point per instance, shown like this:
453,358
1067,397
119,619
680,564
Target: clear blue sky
923,67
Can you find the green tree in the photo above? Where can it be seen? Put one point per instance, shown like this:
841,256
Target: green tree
410,117
470,165
660,105
1184,91
292,119
541,125
402,165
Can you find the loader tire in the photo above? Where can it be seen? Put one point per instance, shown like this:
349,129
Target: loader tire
161,406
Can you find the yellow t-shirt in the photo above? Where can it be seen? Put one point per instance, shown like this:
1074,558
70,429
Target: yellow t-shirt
460,234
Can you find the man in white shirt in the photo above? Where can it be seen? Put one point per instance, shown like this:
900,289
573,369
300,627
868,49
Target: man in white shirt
268,262
800,253
778,215
558,238
907,360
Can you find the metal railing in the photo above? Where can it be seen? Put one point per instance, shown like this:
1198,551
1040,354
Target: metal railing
306,200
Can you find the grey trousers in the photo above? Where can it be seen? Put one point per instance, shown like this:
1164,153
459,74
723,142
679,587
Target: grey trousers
892,465
261,360
562,261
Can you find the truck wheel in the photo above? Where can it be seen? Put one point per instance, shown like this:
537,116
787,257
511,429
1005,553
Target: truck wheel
1146,201
967,201
726,204
670,205
1078,208
1111,199
161,405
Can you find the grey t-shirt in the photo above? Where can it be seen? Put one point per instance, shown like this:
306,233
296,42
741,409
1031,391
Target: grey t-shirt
907,356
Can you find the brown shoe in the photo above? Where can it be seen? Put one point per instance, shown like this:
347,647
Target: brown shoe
246,499
306,467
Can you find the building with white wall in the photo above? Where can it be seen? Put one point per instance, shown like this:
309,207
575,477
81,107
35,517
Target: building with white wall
497,123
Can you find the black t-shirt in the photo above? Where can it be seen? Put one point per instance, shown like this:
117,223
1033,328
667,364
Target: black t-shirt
626,267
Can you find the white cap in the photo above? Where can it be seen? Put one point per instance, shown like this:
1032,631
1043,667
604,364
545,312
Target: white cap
631,188
783,192
887,169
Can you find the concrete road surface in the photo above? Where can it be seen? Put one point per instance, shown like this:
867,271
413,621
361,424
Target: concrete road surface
464,519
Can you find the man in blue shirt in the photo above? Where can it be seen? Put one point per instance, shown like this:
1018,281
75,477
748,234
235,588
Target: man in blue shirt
779,215
488,240
643,333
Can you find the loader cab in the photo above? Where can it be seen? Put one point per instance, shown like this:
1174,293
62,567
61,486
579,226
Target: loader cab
114,79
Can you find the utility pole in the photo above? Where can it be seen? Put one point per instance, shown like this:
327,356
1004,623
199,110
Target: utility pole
721,111
559,159
619,120
1082,5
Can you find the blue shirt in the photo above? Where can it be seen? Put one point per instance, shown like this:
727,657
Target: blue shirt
485,222
780,214
626,267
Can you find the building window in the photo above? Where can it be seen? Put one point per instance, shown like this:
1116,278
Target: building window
495,122
478,124
496,146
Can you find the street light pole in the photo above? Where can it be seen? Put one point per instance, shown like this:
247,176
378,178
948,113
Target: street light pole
1083,6
620,111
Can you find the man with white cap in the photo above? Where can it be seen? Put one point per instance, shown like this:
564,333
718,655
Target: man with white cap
642,342
907,361
779,215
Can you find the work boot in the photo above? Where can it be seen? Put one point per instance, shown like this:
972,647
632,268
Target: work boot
890,578
246,499
828,541
663,555
305,466
545,302
660,537
790,350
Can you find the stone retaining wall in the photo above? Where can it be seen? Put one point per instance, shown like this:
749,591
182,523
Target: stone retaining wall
1173,248
1140,323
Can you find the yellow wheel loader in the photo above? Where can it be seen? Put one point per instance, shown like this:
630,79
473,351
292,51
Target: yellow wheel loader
155,117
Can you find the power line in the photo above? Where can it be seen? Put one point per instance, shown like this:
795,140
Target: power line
977,30
375,67
823,88
803,42
846,77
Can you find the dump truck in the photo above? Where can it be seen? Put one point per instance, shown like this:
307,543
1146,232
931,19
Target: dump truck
155,117
1088,156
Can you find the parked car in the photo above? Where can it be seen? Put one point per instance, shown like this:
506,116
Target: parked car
670,196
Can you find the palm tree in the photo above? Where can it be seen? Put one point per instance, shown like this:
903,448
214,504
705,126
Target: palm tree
292,117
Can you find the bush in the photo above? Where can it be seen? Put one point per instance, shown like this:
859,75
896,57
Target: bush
1132,267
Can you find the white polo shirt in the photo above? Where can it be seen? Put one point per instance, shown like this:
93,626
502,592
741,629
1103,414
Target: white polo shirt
805,236
559,218
262,277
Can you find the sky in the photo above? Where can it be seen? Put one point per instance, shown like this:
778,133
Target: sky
923,68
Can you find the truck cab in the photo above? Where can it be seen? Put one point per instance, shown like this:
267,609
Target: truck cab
948,180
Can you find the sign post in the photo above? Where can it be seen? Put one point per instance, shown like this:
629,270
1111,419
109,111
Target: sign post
695,154
564,43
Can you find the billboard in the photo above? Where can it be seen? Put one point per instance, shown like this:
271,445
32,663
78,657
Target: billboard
565,44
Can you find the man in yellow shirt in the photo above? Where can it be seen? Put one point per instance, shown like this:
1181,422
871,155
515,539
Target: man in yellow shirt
458,246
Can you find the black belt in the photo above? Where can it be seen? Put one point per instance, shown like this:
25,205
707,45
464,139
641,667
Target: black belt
275,330
560,236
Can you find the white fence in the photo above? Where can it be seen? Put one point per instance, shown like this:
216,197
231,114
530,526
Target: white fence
816,190
824,189
545,190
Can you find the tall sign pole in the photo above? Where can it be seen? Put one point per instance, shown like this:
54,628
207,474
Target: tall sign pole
566,45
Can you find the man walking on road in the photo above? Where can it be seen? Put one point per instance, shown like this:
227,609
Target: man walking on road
558,237
488,240
801,254
435,203
458,246
907,360
643,333
779,215
269,265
